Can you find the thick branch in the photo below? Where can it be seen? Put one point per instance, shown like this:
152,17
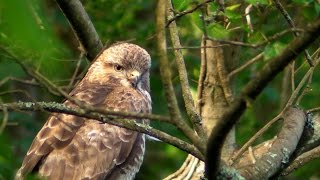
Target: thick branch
82,26
280,150
166,77
112,118
251,91
186,93
308,141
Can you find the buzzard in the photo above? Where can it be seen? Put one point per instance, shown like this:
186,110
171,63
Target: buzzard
71,147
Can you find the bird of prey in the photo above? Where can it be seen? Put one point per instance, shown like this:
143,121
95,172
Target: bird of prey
71,147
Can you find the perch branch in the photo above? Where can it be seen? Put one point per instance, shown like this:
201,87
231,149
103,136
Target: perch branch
105,117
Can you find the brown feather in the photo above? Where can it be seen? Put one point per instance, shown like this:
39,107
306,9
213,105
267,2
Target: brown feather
70,147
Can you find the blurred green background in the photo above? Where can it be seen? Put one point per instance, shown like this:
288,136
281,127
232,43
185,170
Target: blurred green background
37,32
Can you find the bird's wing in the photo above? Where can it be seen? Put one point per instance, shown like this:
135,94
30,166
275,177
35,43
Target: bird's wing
97,148
59,129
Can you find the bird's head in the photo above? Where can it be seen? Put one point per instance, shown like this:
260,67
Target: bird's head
121,64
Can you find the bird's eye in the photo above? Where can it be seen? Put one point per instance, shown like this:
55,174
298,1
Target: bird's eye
117,67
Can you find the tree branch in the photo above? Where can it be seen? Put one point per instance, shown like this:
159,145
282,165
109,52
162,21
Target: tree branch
309,140
248,63
310,149
251,91
166,77
186,93
267,40
281,148
302,160
82,26
111,117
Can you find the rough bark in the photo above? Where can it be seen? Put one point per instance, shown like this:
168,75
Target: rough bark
267,162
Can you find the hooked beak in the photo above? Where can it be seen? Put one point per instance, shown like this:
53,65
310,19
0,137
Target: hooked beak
134,77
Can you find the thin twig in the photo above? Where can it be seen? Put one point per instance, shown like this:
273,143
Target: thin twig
248,63
293,84
267,39
4,119
291,23
254,137
302,160
9,78
303,81
187,12
16,91
247,12
181,170
197,47
307,88
313,110
314,55
203,66
74,75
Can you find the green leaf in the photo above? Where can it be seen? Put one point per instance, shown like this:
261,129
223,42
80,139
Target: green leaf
256,37
255,2
233,7
309,12
317,8
217,31
213,7
180,5
196,20
274,49
232,15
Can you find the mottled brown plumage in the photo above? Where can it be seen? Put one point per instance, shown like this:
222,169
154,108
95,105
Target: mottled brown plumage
70,147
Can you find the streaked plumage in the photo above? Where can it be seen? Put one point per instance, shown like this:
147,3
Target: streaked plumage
70,147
